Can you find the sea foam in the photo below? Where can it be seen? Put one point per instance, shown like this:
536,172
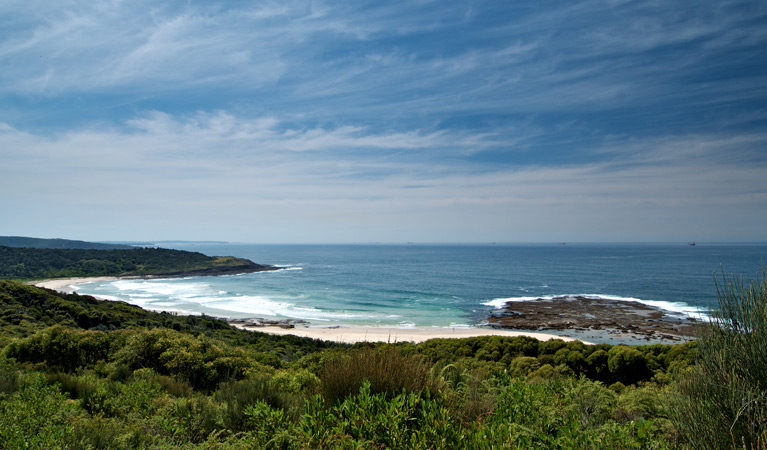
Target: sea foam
193,296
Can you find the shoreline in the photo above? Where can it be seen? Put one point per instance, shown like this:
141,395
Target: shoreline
621,320
65,285
640,331
342,334
353,335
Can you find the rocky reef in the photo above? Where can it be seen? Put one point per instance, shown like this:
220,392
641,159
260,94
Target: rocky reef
578,313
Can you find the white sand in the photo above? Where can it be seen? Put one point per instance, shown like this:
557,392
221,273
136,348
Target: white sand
351,335
66,285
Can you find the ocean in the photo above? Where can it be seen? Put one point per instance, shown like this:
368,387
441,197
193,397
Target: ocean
438,285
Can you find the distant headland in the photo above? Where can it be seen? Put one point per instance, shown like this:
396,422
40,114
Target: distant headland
33,259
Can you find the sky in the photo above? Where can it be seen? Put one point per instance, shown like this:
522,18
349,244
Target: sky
368,121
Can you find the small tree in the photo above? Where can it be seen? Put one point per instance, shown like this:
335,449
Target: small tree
723,404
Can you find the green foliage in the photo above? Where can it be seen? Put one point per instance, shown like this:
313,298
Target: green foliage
61,348
524,365
27,310
38,263
368,420
470,394
627,364
37,416
28,242
238,396
9,378
386,370
271,427
146,380
564,413
723,404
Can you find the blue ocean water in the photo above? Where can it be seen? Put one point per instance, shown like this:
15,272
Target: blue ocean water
438,285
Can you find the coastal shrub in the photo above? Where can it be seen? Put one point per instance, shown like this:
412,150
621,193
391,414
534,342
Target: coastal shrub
723,403
191,419
592,403
61,347
100,432
573,359
9,377
597,365
524,365
549,372
173,386
202,361
639,403
680,358
551,346
385,368
237,396
108,398
545,359
36,416
537,410
562,413
488,348
378,420
469,394
76,387
627,364
271,427
296,381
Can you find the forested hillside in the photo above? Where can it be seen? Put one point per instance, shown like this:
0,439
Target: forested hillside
39,263
29,242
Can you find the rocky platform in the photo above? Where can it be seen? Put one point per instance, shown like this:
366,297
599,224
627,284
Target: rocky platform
581,314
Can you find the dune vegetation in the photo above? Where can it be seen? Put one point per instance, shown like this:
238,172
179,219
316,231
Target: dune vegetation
77,372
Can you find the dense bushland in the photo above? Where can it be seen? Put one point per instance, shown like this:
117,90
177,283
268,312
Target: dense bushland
29,242
127,378
38,263
723,404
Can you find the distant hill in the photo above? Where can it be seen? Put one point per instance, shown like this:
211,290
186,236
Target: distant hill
29,242
38,263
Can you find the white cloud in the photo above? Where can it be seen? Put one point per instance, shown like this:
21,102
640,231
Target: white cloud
241,169
559,118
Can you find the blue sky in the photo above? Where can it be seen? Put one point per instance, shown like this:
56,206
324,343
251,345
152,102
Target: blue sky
424,121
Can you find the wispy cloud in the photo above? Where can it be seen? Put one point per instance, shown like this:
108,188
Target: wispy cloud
489,116
220,163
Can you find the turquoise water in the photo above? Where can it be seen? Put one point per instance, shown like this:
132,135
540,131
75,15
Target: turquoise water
437,285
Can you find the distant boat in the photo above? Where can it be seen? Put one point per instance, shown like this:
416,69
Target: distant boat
691,244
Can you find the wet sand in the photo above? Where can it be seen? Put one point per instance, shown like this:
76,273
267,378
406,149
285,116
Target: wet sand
586,319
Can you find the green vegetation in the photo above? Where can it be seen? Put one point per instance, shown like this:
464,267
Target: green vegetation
28,242
724,403
39,263
76,372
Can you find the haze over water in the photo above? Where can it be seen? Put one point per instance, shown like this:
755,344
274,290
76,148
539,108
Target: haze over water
439,285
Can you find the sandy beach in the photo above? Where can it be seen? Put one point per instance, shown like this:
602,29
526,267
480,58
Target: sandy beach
65,285
352,335
349,335
623,323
